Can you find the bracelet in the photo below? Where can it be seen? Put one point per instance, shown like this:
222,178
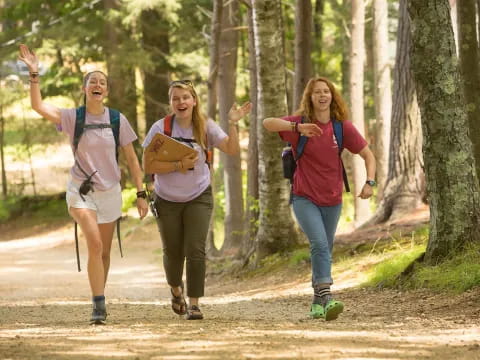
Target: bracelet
142,194
34,75
233,123
292,126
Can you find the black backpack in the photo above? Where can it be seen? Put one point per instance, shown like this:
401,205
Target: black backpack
80,126
289,161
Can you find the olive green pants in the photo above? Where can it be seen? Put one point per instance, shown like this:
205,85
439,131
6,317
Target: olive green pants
183,228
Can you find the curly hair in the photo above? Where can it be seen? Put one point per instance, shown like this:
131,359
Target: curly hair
338,106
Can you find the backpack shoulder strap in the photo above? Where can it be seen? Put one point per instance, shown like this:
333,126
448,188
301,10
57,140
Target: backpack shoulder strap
168,124
302,141
115,123
338,133
79,125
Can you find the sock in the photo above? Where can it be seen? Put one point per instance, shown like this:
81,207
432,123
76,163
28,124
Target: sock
99,302
321,294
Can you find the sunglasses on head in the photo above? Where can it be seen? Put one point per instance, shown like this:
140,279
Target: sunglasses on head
181,82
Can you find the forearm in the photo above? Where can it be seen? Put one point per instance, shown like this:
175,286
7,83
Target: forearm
370,166
277,125
49,112
233,145
163,167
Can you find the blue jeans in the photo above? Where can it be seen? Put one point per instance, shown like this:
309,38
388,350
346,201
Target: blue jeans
319,223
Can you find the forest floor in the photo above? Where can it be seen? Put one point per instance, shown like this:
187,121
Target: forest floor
44,308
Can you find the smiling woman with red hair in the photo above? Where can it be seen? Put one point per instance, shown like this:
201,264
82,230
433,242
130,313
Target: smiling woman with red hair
318,178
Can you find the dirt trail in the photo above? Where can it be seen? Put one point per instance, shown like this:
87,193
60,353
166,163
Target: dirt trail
44,308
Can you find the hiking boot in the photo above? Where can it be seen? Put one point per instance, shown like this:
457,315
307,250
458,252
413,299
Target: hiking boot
99,316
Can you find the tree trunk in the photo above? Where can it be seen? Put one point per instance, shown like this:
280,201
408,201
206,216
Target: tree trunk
357,59
469,68
251,211
155,41
383,92
303,48
2,154
452,183
215,29
405,185
232,170
276,231
122,93
318,38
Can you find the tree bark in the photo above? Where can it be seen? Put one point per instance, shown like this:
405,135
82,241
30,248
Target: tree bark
303,48
405,185
232,169
383,92
469,68
155,38
212,104
251,211
452,183
357,59
276,231
318,38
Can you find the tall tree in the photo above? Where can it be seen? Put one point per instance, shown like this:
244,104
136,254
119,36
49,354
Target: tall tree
232,170
383,92
156,43
452,183
215,28
318,35
122,86
405,185
357,60
470,70
303,48
276,231
251,210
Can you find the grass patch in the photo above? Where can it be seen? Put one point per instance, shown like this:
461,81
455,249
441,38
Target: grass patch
458,274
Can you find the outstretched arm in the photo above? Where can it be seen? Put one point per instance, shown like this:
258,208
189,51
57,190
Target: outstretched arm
277,125
48,111
230,144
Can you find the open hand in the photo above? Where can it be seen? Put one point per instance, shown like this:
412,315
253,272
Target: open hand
28,57
236,113
309,130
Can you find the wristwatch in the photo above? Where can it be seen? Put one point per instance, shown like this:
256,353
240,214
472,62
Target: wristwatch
372,183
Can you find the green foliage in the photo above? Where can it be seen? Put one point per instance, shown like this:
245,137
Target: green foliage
129,198
42,208
458,274
386,274
300,256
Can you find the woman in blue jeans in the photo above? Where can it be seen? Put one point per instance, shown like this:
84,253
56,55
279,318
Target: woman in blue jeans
318,179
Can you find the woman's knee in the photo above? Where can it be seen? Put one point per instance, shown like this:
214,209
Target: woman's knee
95,248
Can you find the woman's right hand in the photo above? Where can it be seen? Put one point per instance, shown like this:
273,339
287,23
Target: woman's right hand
188,162
29,58
309,130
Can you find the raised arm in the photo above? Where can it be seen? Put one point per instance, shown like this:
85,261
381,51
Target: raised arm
48,111
230,145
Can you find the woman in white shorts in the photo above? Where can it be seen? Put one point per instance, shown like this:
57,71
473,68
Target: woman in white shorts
93,194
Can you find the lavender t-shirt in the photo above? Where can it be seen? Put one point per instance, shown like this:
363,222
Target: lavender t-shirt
179,187
96,149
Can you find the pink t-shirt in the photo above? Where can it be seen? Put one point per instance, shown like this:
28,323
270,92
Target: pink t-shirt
318,176
179,187
96,149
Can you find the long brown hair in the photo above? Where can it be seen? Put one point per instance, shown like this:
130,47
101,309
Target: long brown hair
199,120
338,106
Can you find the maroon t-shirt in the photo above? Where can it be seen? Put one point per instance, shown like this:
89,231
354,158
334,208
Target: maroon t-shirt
318,176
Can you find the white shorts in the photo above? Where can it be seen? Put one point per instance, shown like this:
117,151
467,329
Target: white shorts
107,204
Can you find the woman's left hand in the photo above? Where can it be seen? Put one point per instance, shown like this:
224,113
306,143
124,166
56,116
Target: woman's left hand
142,207
367,192
235,113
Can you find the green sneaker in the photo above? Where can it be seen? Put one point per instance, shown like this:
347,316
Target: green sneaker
317,311
333,308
